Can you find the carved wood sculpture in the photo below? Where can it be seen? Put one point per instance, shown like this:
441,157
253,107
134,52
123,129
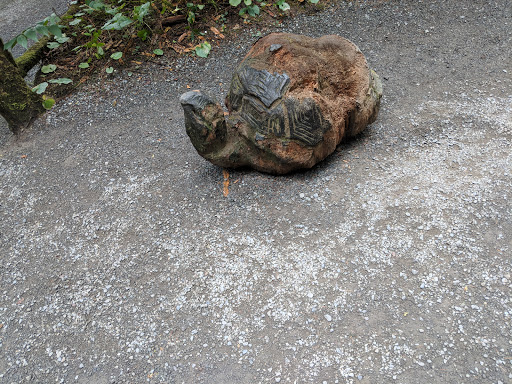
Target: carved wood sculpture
292,100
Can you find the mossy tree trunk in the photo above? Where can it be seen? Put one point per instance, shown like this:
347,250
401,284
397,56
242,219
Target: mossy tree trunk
32,56
18,104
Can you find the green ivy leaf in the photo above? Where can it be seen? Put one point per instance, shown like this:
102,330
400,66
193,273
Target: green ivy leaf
60,80
83,65
11,43
53,19
191,18
97,5
235,3
284,6
158,52
253,10
143,34
112,11
31,34
53,45
118,22
75,22
63,39
141,11
100,51
116,55
313,1
55,30
22,40
203,49
109,70
247,2
48,103
48,68
40,88
42,29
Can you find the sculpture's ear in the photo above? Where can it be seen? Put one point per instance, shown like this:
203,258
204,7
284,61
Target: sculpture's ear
204,121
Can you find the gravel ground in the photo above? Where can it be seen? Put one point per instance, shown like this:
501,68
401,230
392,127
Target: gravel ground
122,261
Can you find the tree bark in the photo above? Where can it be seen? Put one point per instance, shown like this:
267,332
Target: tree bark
32,56
18,104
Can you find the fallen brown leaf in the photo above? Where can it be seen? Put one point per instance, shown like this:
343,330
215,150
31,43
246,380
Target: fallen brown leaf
225,189
178,48
183,36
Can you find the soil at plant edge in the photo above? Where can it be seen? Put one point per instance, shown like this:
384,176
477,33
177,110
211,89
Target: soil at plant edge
123,261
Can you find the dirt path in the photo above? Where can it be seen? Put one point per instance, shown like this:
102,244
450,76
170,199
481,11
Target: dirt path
122,261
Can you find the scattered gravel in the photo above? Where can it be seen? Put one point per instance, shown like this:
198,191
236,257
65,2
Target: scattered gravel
122,260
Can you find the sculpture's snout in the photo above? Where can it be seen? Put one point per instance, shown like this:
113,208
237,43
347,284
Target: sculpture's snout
204,121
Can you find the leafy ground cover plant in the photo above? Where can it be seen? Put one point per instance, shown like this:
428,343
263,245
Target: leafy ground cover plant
103,35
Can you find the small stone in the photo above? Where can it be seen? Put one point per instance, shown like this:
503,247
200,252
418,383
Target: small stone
328,317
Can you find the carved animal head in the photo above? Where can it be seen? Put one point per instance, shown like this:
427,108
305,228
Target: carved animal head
204,121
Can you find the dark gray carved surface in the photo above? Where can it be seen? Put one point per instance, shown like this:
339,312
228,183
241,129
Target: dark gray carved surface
196,100
306,121
259,97
261,84
289,119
